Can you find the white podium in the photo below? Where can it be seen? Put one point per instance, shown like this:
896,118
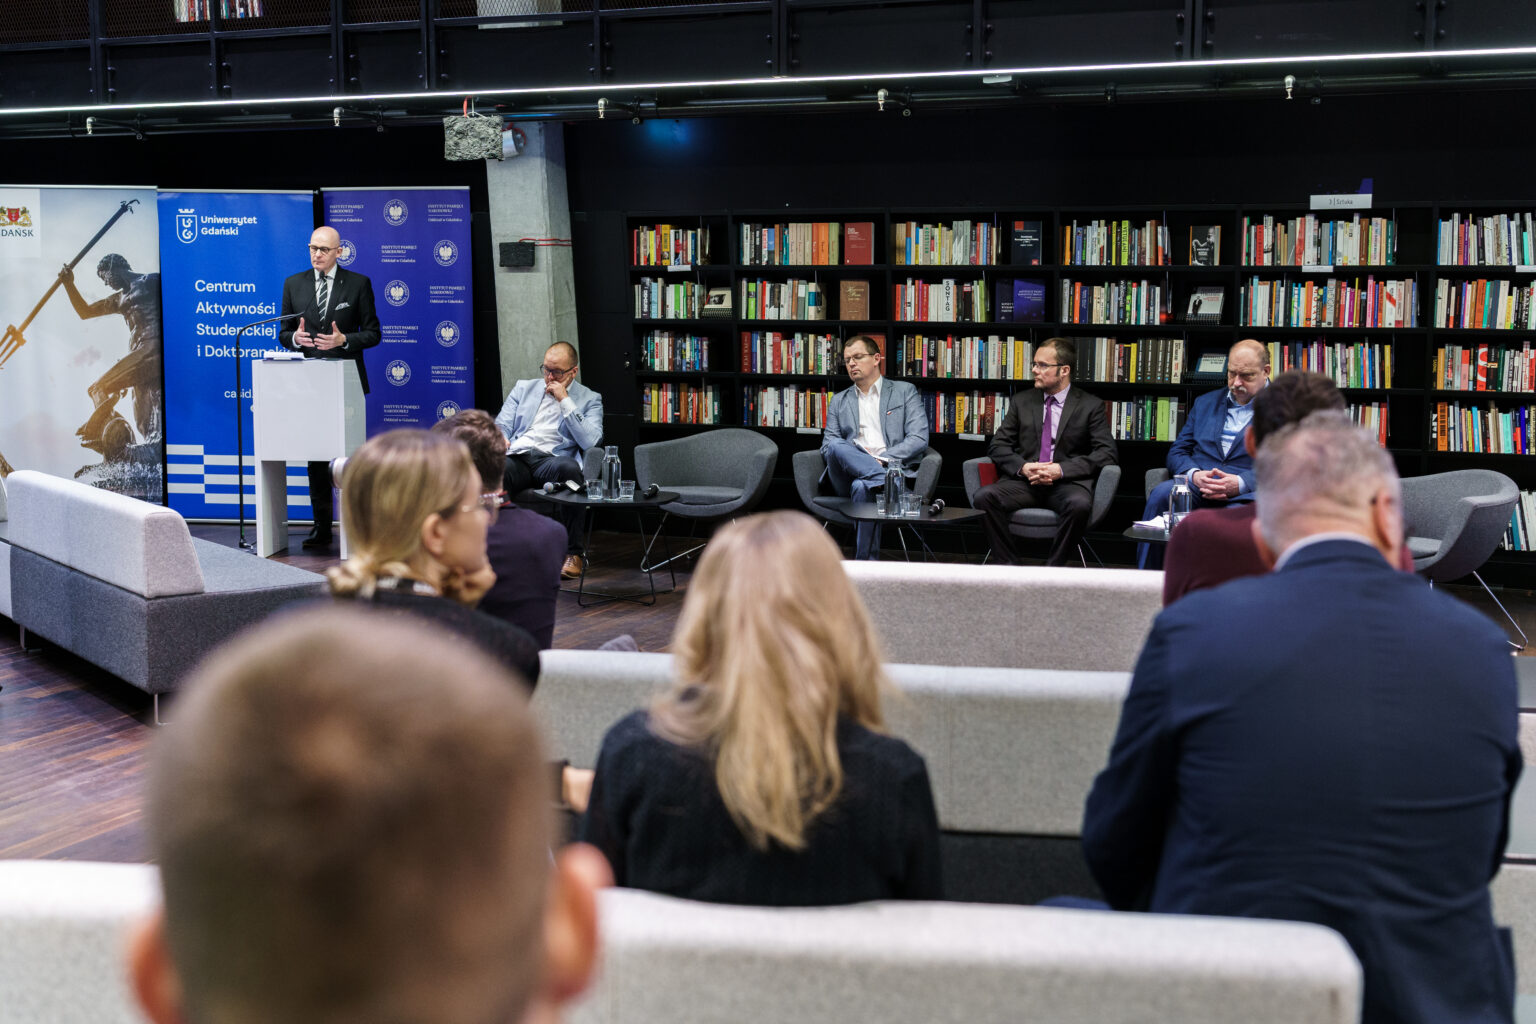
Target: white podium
302,410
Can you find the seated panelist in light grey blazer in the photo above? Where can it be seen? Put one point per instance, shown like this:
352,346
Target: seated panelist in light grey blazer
870,425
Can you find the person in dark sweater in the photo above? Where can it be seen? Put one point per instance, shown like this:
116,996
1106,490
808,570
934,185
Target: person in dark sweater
416,522
525,549
763,775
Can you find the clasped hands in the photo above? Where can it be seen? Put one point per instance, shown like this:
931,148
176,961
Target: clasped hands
1216,485
304,338
1040,472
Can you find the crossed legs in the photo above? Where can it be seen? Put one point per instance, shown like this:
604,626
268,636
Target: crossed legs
855,473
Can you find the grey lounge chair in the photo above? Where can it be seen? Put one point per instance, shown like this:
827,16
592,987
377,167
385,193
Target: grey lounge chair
1041,523
716,473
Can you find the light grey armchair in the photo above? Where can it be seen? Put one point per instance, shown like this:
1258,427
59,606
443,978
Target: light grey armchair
716,473
827,506
1452,523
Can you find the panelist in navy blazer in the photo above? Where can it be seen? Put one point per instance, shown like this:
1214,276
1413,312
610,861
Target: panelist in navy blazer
1352,767
337,321
550,422
1053,468
870,425
1210,447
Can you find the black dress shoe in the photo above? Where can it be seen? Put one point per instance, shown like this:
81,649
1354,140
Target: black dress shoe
317,539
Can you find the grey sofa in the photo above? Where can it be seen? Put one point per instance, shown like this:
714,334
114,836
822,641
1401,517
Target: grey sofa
124,585
1009,616
63,927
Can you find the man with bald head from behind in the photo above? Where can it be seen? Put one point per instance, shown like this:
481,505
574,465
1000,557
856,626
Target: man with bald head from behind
352,821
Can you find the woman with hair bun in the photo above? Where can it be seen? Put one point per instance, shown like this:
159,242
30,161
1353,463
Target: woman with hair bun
415,521
763,775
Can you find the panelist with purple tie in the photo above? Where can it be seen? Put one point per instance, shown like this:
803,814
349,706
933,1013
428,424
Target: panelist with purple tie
1048,451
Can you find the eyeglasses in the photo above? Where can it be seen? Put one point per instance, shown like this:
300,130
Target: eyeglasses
550,371
858,357
1045,366
322,250
490,504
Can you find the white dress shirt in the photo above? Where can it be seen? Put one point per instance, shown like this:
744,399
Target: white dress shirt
871,430
543,434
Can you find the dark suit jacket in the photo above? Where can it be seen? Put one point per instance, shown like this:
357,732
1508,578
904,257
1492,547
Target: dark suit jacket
1199,444
1084,444
526,550
1351,766
351,307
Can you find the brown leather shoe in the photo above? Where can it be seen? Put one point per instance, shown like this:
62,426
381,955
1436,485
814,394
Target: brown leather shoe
572,568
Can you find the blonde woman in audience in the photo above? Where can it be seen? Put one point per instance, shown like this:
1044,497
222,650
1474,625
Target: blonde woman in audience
416,521
763,775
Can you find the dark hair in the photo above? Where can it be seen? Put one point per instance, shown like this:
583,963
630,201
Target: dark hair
1066,351
1289,398
870,344
486,443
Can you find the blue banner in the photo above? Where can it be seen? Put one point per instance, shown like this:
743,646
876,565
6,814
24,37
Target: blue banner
224,256
414,245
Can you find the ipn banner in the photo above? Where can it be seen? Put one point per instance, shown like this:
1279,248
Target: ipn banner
224,256
414,245
80,349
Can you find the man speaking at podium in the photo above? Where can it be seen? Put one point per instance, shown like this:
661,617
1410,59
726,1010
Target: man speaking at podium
337,321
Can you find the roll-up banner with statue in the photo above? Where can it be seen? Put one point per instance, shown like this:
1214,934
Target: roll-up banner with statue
224,258
414,245
80,356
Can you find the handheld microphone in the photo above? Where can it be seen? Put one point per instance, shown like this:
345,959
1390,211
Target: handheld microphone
651,491
548,488
570,485
936,507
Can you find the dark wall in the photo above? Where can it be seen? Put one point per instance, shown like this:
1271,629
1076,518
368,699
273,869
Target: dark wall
310,159
1418,148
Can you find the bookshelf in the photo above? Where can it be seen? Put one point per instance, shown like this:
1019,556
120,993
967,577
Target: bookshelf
959,299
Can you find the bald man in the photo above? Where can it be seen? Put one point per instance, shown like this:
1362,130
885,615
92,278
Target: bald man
1210,447
337,320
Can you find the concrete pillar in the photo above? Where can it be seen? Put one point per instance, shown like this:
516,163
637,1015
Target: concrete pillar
535,306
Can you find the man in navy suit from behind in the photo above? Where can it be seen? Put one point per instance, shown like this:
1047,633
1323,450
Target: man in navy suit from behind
1353,770
1210,448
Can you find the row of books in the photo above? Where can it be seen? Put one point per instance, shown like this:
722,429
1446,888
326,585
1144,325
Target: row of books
947,301
794,299
1455,427
200,10
807,243
1145,419
1114,302
679,403
667,245
964,357
1489,305
959,243
1520,535
786,406
1310,241
659,299
667,352
1373,417
774,352
1135,361
1116,243
1350,364
1497,240
1331,303
1485,367
965,412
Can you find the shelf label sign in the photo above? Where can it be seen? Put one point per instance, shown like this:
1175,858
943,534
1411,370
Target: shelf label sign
1354,201
1317,268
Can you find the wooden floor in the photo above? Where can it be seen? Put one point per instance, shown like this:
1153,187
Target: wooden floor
73,739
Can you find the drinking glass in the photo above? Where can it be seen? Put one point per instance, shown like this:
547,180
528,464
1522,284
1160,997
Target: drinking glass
626,490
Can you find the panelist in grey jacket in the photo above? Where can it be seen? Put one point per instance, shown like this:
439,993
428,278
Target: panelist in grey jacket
871,424
550,422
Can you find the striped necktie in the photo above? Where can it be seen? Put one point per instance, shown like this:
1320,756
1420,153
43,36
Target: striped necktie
322,295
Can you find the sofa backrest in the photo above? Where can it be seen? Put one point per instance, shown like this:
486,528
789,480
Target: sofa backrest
142,548
670,961
63,932
1009,616
1009,751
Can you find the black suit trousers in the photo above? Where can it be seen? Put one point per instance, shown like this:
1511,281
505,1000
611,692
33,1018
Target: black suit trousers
1069,500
